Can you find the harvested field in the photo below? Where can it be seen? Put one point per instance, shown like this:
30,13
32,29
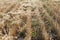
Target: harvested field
29,20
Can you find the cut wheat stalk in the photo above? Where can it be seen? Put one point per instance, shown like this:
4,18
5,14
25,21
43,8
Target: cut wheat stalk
53,13
42,26
54,23
3,7
9,8
28,27
15,7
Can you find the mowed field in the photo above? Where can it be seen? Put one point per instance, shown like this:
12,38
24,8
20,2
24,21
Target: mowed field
29,20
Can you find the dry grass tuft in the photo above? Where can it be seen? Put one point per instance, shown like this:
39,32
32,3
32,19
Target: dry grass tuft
29,20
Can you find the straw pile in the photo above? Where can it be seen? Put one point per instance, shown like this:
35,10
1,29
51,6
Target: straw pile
29,20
